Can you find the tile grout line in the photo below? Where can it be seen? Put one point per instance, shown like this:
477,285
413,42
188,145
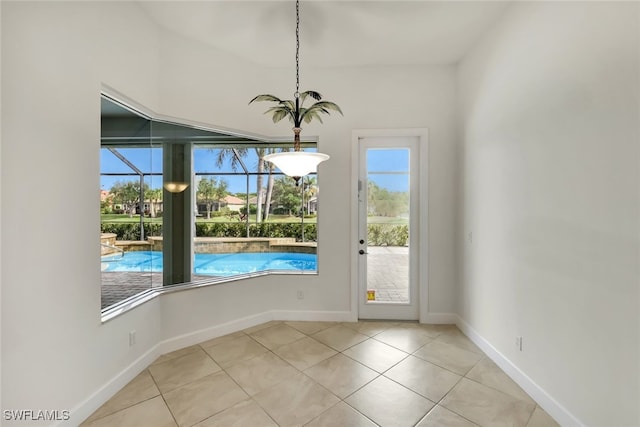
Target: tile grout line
304,334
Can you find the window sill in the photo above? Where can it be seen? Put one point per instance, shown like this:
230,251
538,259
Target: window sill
130,303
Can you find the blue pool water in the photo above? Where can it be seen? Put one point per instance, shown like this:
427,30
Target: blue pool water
215,264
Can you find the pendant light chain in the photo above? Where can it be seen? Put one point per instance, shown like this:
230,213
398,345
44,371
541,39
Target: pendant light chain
297,94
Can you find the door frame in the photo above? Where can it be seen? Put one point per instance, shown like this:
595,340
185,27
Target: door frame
423,220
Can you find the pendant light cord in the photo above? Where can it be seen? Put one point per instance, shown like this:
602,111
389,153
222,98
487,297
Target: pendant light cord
297,94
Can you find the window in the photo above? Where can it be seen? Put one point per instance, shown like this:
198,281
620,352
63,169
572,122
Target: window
236,216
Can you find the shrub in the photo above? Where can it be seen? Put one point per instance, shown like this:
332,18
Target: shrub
131,230
252,210
387,235
238,229
221,229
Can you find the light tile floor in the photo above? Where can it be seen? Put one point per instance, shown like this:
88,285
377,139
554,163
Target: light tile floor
325,374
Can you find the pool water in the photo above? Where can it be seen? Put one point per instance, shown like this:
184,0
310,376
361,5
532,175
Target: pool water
214,264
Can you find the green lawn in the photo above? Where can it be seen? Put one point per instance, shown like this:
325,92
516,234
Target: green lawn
387,220
124,218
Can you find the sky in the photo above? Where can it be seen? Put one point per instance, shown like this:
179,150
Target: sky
149,160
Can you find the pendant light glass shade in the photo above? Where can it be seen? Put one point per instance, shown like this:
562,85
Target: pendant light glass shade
296,163
175,187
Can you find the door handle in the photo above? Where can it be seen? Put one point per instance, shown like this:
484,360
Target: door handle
362,252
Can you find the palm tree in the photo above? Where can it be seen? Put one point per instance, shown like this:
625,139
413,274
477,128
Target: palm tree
230,153
295,111
154,196
207,192
269,193
310,189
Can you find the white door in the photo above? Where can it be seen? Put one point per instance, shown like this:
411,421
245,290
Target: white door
388,243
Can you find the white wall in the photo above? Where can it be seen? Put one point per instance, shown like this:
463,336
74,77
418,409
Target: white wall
549,104
55,55
55,352
0,215
207,85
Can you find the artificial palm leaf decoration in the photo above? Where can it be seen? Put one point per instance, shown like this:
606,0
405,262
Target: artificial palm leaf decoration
297,163
296,112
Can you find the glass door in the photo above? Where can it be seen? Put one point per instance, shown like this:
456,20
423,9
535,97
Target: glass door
388,213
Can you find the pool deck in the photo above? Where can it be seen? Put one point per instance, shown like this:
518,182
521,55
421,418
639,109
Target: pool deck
117,286
387,274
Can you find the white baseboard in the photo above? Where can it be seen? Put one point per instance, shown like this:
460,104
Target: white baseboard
440,318
196,337
83,410
191,338
544,399
314,316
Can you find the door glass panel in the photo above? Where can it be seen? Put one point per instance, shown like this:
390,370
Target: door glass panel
388,210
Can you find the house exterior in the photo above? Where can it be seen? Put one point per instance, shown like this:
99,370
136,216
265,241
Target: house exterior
233,203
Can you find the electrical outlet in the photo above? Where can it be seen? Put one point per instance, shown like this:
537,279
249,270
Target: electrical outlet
300,294
519,343
132,338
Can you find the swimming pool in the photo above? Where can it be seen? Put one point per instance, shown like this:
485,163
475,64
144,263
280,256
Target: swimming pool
214,264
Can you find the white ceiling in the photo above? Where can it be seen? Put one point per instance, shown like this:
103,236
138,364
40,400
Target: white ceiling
333,33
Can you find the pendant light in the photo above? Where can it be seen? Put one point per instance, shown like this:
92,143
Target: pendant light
297,163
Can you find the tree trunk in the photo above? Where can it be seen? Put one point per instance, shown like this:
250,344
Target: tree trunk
260,153
267,203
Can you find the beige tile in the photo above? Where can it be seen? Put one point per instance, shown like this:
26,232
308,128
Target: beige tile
182,370
295,401
406,338
261,372
310,328
236,350
141,388
425,378
448,356
388,403
152,412
341,415
442,417
277,335
429,330
369,328
175,354
541,419
304,353
453,336
262,326
203,398
339,337
222,339
435,330
341,375
244,414
486,406
376,355
203,393
488,373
